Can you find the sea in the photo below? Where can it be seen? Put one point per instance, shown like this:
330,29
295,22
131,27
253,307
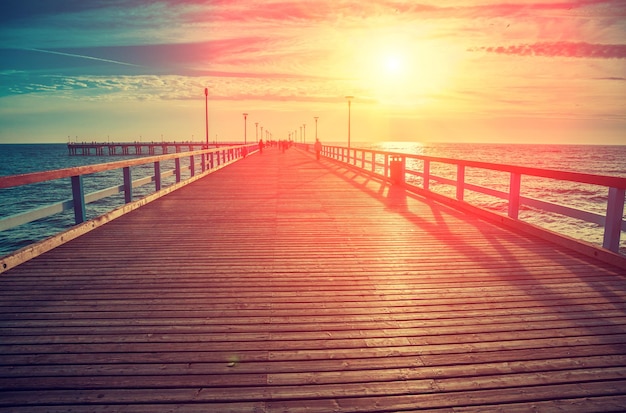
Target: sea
594,159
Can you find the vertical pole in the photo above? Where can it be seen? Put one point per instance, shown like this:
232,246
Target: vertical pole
206,111
613,224
245,121
460,181
192,166
128,185
349,105
514,192
386,171
157,176
78,196
177,169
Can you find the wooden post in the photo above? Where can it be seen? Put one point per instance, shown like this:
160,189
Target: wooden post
78,197
386,170
128,185
514,191
177,169
157,176
460,181
613,224
426,183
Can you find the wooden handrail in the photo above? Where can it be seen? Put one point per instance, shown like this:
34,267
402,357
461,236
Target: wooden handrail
616,186
34,177
602,180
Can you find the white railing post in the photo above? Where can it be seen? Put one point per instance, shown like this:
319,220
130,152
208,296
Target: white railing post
460,181
613,225
426,183
514,191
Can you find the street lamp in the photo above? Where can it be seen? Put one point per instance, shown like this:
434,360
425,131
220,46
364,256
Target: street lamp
304,128
349,103
206,111
245,117
257,130
316,118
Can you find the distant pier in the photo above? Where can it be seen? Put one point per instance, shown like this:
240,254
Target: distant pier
137,148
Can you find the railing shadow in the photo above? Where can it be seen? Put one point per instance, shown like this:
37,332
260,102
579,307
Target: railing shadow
547,290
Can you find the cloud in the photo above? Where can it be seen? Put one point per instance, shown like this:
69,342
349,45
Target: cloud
560,49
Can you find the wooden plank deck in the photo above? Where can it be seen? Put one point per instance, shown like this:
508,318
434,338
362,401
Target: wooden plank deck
282,284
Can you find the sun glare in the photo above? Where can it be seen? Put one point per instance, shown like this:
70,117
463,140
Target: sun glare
401,71
392,65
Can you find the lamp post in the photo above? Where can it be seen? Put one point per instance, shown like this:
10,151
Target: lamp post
316,118
349,104
245,121
256,124
206,111
304,129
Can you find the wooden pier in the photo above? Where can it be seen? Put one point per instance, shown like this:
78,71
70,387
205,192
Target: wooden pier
285,284
136,148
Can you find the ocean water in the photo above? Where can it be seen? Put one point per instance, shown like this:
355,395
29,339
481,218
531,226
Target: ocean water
601,160
20,159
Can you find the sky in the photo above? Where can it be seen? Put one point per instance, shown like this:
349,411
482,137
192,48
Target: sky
511,71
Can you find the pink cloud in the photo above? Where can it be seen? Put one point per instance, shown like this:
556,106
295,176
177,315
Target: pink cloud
560,49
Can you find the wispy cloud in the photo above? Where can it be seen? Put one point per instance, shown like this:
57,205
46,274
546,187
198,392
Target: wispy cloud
560,49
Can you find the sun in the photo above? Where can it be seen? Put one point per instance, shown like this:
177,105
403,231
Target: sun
402,70
392,65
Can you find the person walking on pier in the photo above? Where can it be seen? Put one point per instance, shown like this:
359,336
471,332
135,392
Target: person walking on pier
261,146
318,148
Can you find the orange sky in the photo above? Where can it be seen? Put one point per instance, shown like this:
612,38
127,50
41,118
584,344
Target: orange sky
519,72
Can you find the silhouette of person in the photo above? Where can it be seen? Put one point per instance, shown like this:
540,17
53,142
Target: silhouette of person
261,146
318,148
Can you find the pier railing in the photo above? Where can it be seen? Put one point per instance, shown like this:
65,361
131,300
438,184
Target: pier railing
139,148
417,172
188,166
